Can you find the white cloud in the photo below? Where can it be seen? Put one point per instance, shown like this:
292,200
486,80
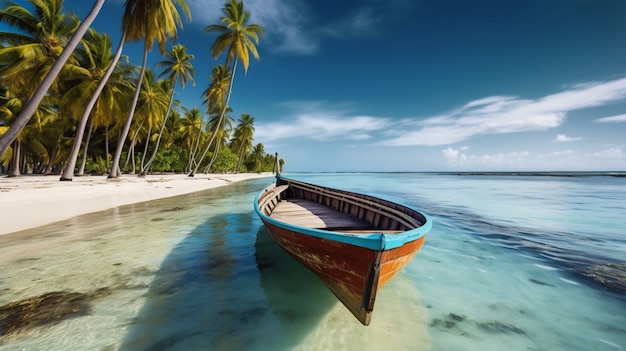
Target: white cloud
612,158
612,119
458,158
491,115
559,153
505,114
611,153
284,21
320,123
565,138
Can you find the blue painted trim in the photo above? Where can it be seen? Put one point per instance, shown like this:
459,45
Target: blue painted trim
374,241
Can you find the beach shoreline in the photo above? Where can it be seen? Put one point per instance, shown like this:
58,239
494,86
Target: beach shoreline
32,201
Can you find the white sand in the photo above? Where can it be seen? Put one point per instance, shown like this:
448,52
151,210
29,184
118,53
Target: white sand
31,201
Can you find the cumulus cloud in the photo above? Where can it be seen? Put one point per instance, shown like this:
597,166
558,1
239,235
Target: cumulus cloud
505,114
458,158
321,122
490,115
606,159
565,138
612,119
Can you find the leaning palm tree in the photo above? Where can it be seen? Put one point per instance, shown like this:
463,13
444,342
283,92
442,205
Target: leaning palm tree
33,102
219,128
214,97
242,138
152,108
237,37
150,21
178,67
34,44
94,95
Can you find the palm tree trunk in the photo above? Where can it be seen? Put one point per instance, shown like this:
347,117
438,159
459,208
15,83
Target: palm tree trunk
145,147
131,148
129,120
192,154
217,147
17,150
106,146
48,168
222,114
68,173
33,103
144,169
239,161
81,170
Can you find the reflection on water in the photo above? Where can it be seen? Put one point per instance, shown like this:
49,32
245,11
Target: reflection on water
296,296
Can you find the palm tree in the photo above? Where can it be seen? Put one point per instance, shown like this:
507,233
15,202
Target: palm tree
242,138
143,20
29,139
239,37
94,95
15,19
219,128
152,107
257,158
191,132
214,97
35,44
178,67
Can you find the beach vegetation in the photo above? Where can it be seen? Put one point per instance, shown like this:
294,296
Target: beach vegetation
243,138
103,114
143,21
178,67
238,38
95,93
36,37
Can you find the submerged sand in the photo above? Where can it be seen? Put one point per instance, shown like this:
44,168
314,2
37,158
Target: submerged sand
33,200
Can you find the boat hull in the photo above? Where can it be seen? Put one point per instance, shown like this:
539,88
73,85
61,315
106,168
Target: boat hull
354,243
354,274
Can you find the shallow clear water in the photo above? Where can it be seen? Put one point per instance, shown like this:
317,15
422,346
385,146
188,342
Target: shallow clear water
516,263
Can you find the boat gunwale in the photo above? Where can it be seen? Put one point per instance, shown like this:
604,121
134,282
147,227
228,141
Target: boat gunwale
374,241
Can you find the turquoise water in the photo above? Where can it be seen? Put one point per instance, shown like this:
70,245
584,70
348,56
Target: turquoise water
512,263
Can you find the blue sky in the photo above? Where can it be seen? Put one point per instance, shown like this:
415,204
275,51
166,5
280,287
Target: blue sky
430,85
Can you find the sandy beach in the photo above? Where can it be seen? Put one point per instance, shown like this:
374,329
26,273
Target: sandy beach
33,200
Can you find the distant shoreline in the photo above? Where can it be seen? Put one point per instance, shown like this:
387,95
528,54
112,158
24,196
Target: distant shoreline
491,173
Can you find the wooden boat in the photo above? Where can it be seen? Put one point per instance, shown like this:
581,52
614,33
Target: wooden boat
354,243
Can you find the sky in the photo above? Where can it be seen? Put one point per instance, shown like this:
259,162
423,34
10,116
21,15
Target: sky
422,85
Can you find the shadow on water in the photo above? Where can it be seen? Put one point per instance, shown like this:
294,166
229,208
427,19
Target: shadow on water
296,296
228,286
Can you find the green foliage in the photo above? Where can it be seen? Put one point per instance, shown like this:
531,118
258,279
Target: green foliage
27,54
168,160
97,166
226,161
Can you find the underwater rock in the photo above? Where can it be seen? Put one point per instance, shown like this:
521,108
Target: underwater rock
45,309
175,208
496,327
539,282
609,274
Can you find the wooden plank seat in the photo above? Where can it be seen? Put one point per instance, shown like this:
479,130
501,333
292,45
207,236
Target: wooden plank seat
313,215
